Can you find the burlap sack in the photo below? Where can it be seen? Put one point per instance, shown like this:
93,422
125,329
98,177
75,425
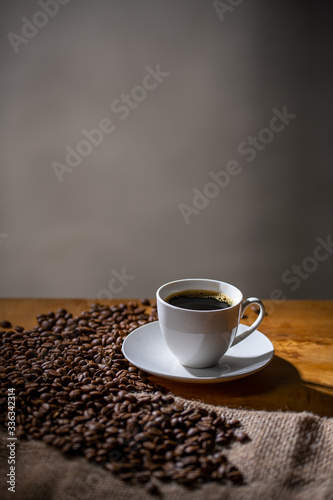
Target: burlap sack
290,456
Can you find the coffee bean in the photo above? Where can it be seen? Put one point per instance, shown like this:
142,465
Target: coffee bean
192,431
76,394
241,436
145,302
5,324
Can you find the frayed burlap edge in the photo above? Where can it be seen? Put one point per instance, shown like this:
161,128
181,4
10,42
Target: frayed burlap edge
289,455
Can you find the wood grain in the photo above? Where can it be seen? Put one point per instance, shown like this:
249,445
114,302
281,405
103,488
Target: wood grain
300,376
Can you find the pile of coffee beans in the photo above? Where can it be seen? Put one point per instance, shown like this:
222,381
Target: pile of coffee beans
76,391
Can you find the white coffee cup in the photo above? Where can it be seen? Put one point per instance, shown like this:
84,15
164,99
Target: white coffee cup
199,338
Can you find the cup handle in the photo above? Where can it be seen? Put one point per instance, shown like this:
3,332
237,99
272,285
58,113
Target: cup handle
254,326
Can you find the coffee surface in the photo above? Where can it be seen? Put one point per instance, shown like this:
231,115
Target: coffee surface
200,300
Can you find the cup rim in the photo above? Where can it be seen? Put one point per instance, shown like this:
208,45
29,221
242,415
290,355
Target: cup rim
166,304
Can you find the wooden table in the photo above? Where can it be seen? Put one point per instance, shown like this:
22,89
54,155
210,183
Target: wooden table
300,376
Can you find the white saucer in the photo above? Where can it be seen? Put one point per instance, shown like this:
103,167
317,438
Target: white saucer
145,348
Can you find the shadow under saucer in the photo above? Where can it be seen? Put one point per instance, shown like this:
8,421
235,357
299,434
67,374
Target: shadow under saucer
278,386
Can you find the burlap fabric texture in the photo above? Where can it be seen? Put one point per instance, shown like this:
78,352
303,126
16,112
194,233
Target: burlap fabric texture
289,456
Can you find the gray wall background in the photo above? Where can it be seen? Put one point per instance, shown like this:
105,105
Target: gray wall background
120,207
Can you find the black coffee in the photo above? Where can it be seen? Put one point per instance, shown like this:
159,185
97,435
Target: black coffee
201,300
